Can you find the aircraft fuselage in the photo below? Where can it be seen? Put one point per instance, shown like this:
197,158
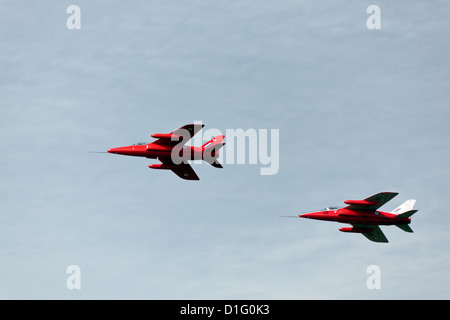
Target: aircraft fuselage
155,151
344,215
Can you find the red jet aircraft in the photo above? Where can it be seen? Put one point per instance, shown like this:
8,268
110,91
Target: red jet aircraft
365,218
171,150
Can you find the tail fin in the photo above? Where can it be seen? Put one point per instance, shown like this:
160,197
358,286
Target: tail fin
406,206
405,211
211,151
406,214
214,142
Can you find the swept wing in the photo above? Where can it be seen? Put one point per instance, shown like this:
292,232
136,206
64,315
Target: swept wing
373,233
372,203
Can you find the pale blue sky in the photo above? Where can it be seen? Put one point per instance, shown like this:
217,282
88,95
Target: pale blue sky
359,112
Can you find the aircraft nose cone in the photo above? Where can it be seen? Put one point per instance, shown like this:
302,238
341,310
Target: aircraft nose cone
309,215
120,150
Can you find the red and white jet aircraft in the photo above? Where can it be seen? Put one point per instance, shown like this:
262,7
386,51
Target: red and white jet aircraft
365,218
171,150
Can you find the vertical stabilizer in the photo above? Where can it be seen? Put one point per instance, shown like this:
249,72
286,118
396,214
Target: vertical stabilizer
210,151
406,206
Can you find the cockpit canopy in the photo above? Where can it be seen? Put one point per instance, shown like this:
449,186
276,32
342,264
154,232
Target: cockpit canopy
140,143
331,208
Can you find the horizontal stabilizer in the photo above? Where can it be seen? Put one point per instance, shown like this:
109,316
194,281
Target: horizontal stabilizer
406,214
214,162
405,227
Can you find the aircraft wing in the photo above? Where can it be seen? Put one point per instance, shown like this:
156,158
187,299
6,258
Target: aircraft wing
192,129
372,203
185,133
375,234
183,170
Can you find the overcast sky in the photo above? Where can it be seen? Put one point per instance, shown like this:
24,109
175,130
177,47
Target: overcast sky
358,111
